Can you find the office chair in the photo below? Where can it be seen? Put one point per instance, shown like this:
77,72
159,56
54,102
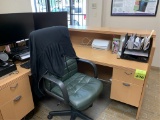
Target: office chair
75,89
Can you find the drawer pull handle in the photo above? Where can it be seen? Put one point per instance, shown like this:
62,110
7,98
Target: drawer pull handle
14,87
126,84
17,98
128,73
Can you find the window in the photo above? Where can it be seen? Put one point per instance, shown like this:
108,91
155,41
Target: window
76,9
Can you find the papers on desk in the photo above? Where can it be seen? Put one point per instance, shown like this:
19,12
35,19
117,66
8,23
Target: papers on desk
137,43
137,53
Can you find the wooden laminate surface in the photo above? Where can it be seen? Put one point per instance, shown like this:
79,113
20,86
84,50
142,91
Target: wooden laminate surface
9,78
106,58
109,30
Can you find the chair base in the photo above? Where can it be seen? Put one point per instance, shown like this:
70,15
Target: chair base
73,113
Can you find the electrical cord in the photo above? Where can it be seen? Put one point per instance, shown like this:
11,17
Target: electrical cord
86,41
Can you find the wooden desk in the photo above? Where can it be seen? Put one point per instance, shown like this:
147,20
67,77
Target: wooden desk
123,70
15,95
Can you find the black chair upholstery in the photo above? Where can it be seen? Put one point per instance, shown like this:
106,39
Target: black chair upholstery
76,89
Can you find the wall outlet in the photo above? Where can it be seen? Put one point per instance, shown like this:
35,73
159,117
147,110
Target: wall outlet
94,5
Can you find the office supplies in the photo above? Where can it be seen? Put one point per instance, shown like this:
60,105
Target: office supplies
7,48
115,45
20,53
26,65
137,53
3,56
140,74
137,43
101,44
23,56
122,39
147,41
130,42
10,67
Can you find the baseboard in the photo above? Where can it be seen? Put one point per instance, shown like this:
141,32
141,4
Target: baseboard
155,68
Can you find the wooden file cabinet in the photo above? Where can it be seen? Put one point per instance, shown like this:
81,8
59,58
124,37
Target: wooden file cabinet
16,98
125,87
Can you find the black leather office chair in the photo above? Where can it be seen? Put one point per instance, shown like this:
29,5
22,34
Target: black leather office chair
73,88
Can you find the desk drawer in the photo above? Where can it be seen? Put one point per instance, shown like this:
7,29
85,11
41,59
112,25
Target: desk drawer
126,75
18,107
126,92
8,93
14,89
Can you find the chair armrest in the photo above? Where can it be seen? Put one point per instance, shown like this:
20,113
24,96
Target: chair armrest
90,63
60,84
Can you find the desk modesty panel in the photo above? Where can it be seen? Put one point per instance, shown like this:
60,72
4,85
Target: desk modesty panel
124,87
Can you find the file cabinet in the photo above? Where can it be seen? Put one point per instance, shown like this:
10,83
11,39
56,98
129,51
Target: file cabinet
16,97
125,87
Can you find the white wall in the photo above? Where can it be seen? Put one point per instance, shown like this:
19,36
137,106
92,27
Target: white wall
94,15
131,22
15,6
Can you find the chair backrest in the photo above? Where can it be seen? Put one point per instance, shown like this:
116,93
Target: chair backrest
47,46
70,70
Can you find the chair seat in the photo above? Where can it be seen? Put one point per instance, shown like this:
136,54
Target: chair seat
82,90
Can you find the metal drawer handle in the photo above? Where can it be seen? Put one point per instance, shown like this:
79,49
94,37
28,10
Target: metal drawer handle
14,87
17,98
126,84
128,73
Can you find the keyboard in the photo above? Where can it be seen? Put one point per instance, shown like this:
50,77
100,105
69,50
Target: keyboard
26,65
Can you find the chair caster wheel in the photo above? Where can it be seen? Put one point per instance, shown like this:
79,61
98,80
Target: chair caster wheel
49,117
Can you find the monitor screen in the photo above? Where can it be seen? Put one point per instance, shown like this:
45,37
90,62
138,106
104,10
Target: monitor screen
15,27
42,20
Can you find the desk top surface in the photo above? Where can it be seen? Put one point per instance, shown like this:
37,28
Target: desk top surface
106,58
13,75
109,30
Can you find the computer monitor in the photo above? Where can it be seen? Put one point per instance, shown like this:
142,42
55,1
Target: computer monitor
48,19
15,27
